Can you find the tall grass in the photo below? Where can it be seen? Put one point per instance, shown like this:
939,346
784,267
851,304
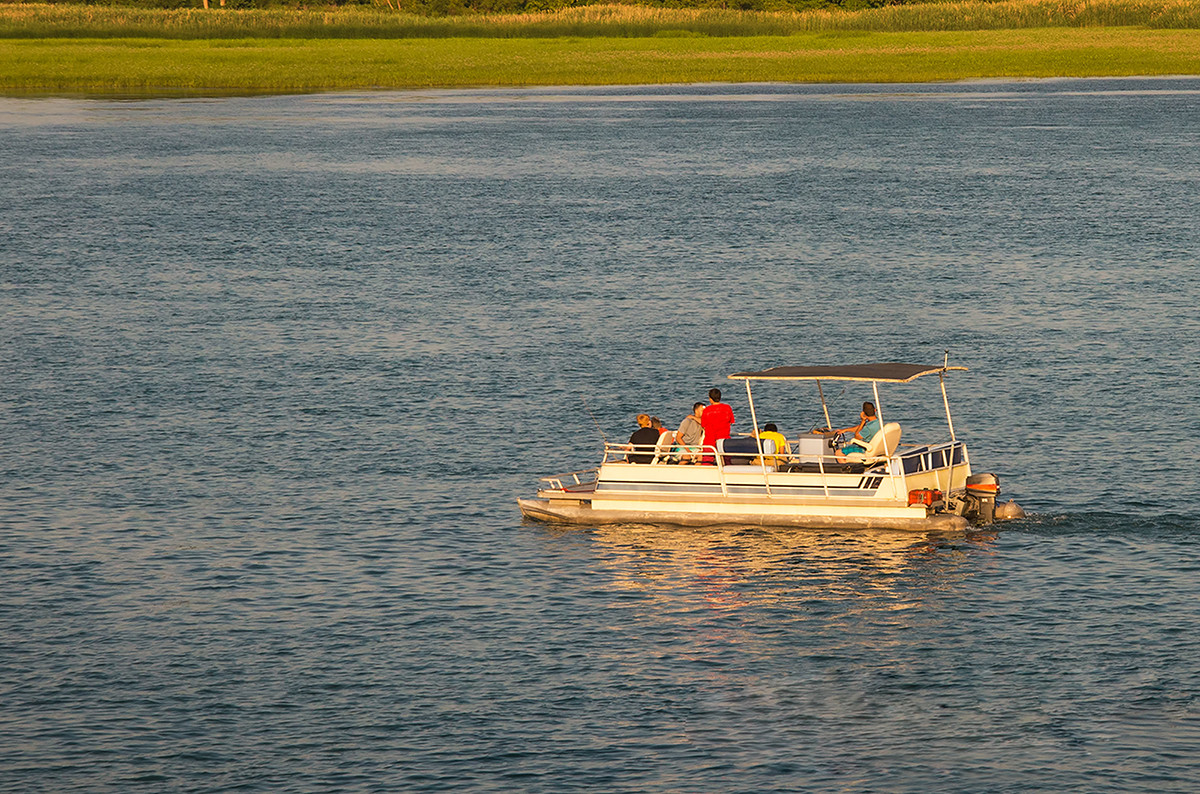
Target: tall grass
38,20
168,67
217,66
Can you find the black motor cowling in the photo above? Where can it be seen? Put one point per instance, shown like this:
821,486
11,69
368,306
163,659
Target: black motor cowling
981,497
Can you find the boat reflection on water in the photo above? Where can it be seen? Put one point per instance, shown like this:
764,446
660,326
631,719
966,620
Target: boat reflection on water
780,632
731,567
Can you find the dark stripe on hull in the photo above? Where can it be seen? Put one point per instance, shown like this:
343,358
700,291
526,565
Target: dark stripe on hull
867,486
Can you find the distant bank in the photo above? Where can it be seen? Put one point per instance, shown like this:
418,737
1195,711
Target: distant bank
59,49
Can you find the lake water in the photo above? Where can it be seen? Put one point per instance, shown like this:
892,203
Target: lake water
276,369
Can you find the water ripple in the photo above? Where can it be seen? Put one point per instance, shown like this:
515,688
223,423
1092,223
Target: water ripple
275,370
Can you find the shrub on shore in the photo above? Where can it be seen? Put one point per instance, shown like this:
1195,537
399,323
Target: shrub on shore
384,20
459,7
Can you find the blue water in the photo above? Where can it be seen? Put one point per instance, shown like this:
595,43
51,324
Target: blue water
274,370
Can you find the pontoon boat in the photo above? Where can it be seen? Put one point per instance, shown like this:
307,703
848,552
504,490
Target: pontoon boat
889,485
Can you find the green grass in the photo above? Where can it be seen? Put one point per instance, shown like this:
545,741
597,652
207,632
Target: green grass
106,50
273,65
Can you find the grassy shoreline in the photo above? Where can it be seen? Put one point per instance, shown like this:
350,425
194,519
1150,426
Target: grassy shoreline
287,66
623,46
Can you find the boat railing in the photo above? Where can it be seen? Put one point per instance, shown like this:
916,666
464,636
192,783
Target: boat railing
907,459
654,454
673,455
946,456
668,454
571,480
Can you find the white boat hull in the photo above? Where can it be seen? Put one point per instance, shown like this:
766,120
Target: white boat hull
577,512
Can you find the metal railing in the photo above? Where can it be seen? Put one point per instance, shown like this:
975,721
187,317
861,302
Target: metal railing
896,467
578,479
655,454
674,455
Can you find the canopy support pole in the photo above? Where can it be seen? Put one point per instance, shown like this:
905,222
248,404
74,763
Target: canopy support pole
762,460
888,452
824,407
824,441
949,423
945,399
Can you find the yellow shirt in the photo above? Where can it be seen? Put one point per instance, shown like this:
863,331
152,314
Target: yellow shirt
780,446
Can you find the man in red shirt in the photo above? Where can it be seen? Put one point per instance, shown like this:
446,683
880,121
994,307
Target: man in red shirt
716,421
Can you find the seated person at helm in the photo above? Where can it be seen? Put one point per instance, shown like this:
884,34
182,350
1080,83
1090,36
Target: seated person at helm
864,431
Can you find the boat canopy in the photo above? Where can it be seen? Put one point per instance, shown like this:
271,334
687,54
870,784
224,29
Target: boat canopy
889,372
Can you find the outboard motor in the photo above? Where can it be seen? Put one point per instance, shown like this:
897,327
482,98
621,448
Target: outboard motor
981,496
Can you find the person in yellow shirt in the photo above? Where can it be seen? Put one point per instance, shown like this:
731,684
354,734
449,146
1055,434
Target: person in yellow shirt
781,445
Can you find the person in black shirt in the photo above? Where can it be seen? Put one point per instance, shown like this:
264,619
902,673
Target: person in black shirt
642,442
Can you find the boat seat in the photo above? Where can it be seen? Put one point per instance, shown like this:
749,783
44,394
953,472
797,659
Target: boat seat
662,450
743,451
881,447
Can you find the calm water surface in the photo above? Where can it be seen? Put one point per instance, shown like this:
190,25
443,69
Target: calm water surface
274,371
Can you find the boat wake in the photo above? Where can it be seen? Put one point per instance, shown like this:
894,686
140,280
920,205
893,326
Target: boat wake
1104,522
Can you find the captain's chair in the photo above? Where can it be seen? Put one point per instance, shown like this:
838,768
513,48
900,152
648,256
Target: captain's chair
881,446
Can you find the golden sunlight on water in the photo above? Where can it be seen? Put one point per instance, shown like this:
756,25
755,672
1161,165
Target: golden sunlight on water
735,567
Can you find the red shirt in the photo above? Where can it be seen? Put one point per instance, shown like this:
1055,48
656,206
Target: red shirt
716,420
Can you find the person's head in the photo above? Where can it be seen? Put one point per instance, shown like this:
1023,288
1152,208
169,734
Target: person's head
714,395
869,410
643,420
656,423
698,409
770,427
